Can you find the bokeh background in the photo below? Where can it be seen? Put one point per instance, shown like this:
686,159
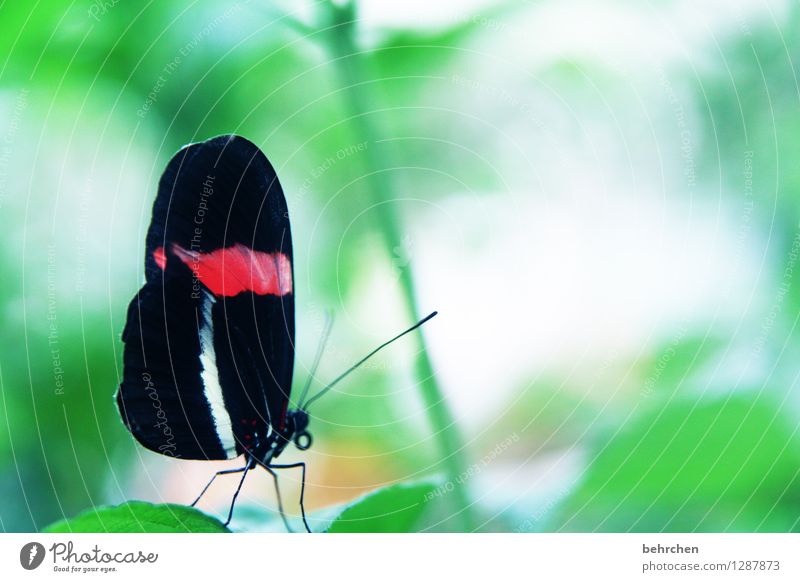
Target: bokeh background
602,199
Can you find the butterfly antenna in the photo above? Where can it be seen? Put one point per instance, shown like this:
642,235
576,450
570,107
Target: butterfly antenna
326,332
365,358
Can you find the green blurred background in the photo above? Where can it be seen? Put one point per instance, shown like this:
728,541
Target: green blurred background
600,198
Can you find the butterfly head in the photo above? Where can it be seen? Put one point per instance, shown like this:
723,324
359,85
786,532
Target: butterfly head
297,425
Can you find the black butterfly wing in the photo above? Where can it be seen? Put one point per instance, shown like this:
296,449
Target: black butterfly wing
212,330
162,397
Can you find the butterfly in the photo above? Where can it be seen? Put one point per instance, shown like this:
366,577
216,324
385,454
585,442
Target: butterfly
209,342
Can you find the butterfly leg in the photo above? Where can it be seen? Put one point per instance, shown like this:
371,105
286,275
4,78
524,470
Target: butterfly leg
239,488
217,474
280,501
302,488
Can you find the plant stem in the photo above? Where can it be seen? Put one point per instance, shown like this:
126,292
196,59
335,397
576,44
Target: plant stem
340,38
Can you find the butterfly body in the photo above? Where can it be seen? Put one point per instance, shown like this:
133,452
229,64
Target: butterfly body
210,337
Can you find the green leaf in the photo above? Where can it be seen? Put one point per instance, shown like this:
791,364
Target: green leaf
139,517
728,464
393,509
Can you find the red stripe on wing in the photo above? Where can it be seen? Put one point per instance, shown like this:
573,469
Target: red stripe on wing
237,269
160,258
